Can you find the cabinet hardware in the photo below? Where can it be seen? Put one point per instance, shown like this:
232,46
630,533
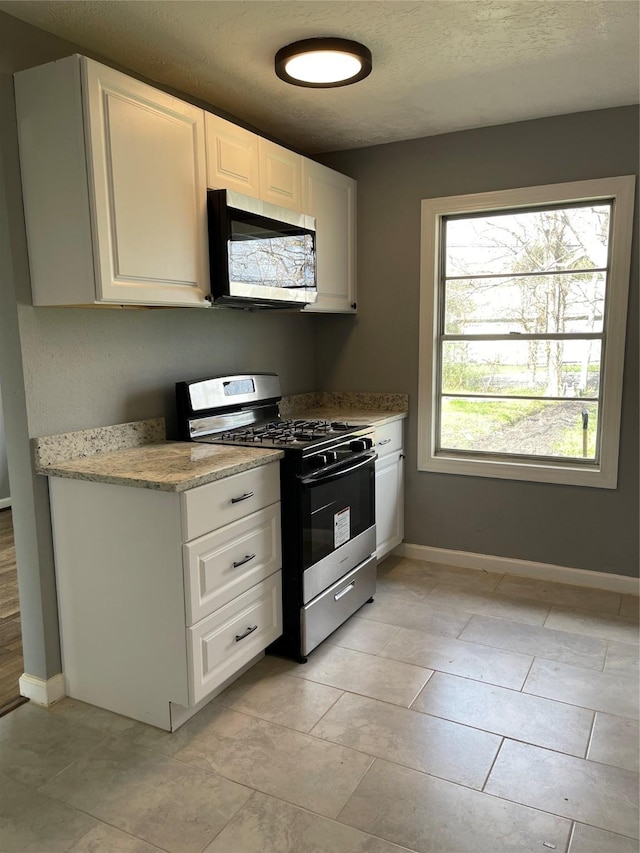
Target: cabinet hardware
344,591
402,456
246,633
354,305
243,561
386,441
244,497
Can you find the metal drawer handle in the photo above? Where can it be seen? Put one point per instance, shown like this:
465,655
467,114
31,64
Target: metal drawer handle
246,633
244,497
344,591
386,441
243,561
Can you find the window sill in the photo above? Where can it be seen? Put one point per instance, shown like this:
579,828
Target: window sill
595,476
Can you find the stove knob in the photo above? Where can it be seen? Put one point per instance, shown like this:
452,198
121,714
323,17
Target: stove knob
318,461
331,456
358,445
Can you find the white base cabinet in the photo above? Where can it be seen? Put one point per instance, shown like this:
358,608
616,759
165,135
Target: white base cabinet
389,487
152,624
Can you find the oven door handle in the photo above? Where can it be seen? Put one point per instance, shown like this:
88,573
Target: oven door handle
320,477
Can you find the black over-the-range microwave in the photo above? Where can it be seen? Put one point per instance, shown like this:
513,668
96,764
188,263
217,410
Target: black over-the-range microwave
260,255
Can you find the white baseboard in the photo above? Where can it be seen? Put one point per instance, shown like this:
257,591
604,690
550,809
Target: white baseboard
42,691
5,502
526,568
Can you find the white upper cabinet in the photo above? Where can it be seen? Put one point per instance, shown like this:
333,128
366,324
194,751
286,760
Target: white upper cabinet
238,159
114,186
331,198
280,175
232,157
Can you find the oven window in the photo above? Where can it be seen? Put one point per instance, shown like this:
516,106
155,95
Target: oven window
336,511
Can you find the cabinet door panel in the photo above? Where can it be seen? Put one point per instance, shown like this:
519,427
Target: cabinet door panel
227,562
389,438
222,643
232,157
148,188
331,198
280,175
213,505
389,503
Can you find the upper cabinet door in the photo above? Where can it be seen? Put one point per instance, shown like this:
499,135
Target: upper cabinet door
280,175
232,157
147,186
331,198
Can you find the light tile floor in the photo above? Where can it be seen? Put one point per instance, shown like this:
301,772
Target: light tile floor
461,712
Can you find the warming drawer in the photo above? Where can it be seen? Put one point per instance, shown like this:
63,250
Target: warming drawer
331,608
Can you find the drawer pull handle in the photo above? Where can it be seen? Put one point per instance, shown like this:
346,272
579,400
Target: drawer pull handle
344,591
386,441
243,561
246,633
244,497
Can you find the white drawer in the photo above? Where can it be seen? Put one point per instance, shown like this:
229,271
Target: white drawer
223,564
389,438
206,508
221,644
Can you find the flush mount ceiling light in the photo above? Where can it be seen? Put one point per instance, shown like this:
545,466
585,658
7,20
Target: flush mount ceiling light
323,63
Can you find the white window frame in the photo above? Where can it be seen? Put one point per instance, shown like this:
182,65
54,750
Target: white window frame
603,474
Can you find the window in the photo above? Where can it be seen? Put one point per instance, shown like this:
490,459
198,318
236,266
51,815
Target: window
522,322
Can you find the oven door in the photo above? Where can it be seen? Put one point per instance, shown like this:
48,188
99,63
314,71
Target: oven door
338,522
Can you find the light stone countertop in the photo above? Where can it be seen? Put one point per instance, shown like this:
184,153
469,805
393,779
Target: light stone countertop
353,416
355,407
136,454
168,466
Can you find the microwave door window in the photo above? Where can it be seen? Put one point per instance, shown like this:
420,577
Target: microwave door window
259,256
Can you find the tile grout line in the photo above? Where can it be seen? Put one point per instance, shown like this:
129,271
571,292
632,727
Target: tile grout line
126,832
322,716
386,643
233,816
493,764
96,746
572,832
522,690
557,815
590,739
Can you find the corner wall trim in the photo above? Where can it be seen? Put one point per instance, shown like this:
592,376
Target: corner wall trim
42,691
526,568
5,502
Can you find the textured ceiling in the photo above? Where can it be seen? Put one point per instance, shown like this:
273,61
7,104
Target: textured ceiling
438,65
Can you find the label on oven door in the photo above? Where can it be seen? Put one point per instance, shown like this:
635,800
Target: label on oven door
342,527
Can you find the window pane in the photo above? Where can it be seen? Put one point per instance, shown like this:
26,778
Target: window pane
530,241
520,427
537,368
530,304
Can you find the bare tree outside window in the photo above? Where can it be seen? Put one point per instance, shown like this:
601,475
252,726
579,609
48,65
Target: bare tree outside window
281,261
522,330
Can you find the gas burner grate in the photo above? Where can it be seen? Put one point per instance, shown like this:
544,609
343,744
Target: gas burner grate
290,431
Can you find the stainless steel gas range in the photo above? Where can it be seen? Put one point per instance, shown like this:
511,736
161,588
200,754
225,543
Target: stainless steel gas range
327,480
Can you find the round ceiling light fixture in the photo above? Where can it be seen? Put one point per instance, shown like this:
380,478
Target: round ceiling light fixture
323,63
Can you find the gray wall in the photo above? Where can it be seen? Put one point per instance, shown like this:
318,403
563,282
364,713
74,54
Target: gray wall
64,369
563,525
